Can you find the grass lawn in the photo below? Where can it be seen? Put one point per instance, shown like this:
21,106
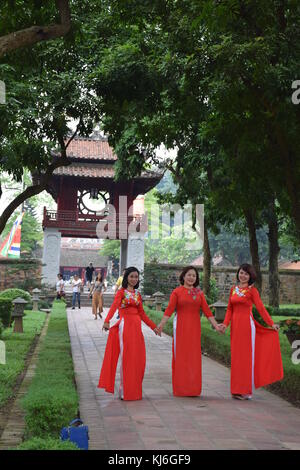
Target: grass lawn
17,346
218,347
51,401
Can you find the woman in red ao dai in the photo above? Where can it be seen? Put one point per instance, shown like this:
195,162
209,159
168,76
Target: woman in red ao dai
126,340
255,349
187,300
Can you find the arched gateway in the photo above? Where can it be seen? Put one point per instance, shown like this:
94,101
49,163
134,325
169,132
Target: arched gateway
91,175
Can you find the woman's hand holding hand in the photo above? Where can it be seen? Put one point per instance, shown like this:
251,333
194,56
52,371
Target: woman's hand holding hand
222,328
157,331
105,326
276,327
219,329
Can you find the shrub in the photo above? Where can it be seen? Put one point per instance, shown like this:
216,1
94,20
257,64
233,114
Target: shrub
44,304
291,325
49,408
1,328
6,307
12,294
287,312
51,401
47,443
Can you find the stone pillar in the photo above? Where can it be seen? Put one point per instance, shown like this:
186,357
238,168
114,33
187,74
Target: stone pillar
51,256
123,256
135,253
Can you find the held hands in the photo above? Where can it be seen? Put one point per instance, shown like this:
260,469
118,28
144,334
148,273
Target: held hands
218,327
157,331
222,328
276,327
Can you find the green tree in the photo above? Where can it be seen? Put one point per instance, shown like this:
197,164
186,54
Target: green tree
46,93
24,24
200,75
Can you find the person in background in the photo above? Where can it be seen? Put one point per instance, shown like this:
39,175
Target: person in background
89,271
60,287
96,292
118,286
76,283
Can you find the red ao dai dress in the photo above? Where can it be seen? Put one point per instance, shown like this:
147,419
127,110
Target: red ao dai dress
255,349
126,340
186,346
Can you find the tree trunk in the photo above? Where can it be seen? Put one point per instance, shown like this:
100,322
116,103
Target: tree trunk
292,184
253,247
274,249
34,34
206,263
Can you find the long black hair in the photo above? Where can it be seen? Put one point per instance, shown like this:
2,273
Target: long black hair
128,271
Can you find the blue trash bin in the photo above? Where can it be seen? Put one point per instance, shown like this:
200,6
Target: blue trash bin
76,432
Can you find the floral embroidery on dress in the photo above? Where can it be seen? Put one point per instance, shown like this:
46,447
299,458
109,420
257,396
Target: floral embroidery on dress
130,298
194,291
240,292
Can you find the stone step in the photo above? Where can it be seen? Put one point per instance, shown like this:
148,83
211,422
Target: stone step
86,301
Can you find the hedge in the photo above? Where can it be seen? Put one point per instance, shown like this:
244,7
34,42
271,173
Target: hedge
51,401
14,293
6,307
49,443
17,347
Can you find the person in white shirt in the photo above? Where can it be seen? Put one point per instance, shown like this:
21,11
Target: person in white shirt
76,283
60,287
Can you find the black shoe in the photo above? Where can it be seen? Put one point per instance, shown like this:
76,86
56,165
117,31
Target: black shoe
73,308
79,306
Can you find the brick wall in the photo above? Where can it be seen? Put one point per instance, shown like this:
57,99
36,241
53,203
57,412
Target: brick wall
226,277
14,273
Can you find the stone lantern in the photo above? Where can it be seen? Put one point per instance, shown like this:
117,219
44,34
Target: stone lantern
147,300
220,309
18,314
158,300
35,298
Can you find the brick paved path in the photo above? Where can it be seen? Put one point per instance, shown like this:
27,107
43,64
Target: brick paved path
161,421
